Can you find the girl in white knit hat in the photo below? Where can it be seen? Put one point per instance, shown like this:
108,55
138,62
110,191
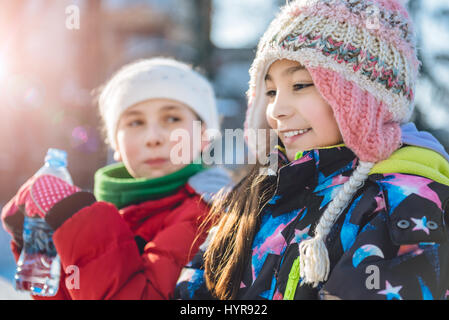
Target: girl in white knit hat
132,236
354,212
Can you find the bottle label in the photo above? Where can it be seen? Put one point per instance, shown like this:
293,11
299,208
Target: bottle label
37,236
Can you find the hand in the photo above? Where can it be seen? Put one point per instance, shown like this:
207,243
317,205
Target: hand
42,193
35,198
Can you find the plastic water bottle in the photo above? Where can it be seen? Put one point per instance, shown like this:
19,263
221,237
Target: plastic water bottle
38,268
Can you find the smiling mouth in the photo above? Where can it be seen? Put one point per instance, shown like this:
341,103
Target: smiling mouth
294,133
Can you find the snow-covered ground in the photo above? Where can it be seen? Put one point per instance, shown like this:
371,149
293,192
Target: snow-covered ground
7,270
7,291
7,263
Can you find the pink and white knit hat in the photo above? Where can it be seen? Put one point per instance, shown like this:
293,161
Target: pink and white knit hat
362,58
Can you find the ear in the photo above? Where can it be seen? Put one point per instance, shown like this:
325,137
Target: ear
117,156
205,142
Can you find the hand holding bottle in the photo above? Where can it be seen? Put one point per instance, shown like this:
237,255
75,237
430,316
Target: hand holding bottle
38,267
41,193
35,198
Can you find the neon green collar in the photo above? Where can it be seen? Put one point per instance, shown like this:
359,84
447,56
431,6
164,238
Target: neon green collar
408,160
417,161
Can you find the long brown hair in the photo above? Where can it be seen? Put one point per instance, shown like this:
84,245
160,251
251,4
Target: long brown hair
237,213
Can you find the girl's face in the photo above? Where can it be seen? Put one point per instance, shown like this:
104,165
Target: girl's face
302,119
143,137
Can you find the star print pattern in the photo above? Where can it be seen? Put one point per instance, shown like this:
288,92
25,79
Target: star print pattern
420,224
412,262
391,292
301,235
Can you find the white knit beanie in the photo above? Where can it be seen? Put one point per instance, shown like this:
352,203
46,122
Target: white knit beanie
157,78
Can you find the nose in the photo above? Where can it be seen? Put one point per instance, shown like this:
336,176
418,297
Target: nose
154,137
281,107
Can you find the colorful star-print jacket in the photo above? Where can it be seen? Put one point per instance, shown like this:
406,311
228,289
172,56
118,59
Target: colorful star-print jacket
391,242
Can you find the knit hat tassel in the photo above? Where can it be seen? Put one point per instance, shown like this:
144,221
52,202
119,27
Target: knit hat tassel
314,261
314,258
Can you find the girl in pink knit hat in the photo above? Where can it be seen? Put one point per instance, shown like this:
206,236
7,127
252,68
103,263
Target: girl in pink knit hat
354,211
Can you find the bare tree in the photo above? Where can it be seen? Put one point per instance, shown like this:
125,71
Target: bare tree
440,90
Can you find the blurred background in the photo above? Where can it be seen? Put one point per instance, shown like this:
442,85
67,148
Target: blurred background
48,69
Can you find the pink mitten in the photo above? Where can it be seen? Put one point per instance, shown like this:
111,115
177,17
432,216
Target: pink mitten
39,196
36,197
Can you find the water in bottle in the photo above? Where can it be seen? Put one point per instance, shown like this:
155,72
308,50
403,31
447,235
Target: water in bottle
38,268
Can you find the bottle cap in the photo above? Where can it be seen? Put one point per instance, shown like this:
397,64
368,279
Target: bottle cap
56,157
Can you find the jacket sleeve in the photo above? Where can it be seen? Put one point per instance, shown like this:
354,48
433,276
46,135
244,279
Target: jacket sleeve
14,225
191,284
98,242
402,253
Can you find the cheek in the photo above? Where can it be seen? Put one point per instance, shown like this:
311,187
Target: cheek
127,145
186,137
327,123
271,122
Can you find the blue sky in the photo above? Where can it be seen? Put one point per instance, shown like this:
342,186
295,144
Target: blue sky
238,23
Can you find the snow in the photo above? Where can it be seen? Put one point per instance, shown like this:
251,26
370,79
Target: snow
7,292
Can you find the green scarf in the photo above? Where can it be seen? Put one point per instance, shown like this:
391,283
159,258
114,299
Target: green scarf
114,184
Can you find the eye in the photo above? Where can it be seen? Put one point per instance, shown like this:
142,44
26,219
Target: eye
135,123
271,93
300,86
173,119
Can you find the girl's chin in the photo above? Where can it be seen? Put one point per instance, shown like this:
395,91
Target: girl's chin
160,172
152,174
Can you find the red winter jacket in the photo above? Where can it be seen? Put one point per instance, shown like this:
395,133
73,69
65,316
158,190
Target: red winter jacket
134,253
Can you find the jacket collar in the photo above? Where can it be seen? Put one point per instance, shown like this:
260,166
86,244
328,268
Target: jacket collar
314,169
114,184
